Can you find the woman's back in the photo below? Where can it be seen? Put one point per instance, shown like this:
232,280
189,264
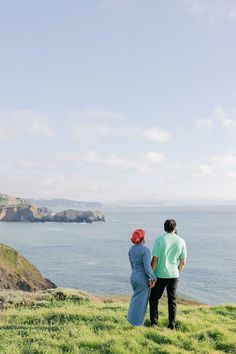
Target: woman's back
140,260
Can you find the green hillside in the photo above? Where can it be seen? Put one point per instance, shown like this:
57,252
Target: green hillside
68,321
17,273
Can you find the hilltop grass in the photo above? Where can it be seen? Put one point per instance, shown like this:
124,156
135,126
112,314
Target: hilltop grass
68,321
13,262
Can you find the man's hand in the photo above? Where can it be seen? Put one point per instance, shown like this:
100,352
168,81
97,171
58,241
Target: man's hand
151,283
182,264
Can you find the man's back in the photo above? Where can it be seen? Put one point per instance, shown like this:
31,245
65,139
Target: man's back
170,249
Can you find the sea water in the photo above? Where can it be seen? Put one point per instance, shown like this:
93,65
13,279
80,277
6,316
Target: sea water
94,257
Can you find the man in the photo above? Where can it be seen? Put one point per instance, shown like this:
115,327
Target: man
169,259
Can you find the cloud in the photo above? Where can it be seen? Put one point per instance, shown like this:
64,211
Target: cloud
20,123
89,175
204,124
212,9
95,125
220,118
97,115
141,163
220,166
155,134
92,125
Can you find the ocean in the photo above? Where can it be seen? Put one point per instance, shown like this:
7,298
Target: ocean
94,257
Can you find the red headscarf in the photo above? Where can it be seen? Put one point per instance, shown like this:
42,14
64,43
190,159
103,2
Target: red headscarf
137,236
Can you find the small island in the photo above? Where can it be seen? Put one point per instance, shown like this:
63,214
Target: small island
14,209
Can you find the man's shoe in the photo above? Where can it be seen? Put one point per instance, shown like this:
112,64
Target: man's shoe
172,327
153,324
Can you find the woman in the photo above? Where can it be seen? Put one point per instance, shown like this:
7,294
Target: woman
142,278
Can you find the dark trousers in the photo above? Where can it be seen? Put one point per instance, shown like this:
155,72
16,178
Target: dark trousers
156,294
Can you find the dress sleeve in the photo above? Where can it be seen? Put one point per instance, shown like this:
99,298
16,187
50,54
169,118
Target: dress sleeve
147,264
130,259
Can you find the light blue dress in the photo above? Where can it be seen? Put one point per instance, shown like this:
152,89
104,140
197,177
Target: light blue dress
140,260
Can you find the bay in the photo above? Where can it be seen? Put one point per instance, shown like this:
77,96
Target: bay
93,257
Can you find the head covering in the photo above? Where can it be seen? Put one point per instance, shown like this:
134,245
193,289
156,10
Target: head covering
137,236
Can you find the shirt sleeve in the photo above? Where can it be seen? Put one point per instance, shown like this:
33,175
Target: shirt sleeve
155,250
184,251
147,264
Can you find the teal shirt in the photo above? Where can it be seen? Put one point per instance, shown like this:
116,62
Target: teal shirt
170,249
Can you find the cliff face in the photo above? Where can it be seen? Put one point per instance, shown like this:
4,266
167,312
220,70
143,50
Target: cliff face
6,200
78,216
14,209
18,274
22,212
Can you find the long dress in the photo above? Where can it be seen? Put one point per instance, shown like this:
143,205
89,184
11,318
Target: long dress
140,260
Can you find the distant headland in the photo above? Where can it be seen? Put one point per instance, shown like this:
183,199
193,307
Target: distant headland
15,209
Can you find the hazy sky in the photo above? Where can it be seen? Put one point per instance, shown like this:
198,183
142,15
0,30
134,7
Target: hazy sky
118,99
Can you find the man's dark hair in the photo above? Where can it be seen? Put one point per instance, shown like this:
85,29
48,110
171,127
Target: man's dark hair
169,225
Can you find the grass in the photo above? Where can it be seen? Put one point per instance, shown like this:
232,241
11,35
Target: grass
69,321
13,262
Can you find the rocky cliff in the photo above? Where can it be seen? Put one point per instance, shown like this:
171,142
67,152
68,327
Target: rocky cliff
19,274
78,216
13,209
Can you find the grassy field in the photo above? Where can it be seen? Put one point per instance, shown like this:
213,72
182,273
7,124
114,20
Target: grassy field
68,321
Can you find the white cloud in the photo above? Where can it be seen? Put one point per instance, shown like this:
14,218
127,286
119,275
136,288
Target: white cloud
94,125
212,9
195,6
204,124
89,175
226,119
141,163
88,114
155,157
220,118
157,135
20,123
220,165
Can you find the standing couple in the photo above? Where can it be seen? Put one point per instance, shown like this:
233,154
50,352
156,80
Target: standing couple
150,278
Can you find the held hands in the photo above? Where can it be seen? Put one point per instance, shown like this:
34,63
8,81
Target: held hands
151,283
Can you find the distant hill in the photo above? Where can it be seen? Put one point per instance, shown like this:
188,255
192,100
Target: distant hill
19,274
13,209
64,203
8,200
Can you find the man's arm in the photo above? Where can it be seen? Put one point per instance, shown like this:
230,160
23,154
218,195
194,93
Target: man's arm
182,264
154,262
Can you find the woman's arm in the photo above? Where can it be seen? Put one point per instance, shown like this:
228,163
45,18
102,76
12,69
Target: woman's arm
131,263
147,264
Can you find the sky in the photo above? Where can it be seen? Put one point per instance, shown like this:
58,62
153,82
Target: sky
118,100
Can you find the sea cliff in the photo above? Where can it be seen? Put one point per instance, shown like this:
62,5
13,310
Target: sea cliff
13,209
